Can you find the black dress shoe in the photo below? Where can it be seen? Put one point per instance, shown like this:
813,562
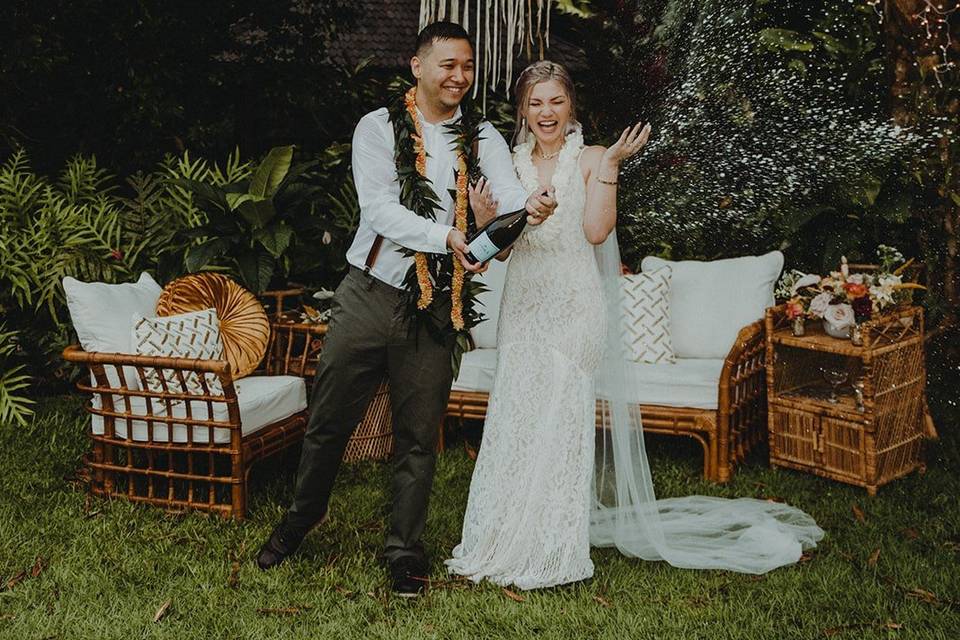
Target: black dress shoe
283,542
409,576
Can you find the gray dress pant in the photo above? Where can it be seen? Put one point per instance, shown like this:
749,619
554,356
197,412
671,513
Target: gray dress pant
368,337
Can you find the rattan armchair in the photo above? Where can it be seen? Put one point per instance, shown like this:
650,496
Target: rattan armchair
727,433
171,449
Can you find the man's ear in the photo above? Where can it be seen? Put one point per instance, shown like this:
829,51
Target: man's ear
416,67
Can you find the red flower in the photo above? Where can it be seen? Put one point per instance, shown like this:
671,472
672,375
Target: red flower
854,290
116,254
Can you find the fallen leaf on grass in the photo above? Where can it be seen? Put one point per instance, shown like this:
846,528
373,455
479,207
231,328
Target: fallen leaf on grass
7,616
923,594
806,557
162,611
516,597
15,580
872,560
603,601
38,566
346,593
858,513
910,534
234,580
890,624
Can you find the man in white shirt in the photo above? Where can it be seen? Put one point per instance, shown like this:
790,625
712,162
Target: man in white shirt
370,335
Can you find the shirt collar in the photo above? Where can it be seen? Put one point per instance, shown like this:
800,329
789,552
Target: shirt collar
423,121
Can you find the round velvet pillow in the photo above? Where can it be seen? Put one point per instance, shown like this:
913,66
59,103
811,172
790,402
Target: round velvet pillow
244,326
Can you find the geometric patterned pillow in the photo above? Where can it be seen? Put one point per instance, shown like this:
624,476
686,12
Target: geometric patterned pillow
187,335
645,316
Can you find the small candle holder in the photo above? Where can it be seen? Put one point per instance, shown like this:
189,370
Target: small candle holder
856,334
796,325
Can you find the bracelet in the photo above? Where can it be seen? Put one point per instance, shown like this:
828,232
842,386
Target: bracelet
602,181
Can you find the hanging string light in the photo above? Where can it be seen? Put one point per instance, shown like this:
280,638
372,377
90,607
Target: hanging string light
499,29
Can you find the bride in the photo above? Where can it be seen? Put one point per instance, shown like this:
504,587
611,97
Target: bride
562,464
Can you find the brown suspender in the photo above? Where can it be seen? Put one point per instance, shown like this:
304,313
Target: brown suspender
375,248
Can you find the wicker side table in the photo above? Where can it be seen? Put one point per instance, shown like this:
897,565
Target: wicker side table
294,349
868,438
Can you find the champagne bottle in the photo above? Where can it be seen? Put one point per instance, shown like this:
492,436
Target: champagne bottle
496,235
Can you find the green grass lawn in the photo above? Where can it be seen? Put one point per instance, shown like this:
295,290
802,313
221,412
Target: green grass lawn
76,567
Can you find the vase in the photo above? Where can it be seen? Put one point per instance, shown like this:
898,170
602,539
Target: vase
796,325
837,331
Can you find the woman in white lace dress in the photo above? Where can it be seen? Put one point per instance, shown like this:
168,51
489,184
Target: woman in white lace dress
534,505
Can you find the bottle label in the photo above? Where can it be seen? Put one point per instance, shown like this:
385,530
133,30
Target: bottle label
483,248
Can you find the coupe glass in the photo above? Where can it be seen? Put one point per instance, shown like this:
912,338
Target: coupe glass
835,377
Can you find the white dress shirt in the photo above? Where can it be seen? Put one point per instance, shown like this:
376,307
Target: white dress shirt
378,190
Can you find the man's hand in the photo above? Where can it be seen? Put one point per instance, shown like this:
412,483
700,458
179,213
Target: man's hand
540,207
457,242
482,202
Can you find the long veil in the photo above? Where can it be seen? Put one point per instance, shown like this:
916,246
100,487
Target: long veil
694,532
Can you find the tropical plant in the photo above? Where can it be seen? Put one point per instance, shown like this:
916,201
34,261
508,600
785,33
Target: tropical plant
14,405
249,223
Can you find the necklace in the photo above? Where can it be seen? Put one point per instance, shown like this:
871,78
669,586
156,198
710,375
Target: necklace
548,156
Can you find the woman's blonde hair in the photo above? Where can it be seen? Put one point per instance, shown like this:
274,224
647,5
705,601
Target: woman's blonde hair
533,75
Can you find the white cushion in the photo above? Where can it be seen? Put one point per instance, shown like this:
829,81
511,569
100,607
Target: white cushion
688,382
477,370
711,301
262,400
195,334
693,383
485,333
645,316
101,313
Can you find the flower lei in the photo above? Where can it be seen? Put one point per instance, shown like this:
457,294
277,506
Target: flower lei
433,273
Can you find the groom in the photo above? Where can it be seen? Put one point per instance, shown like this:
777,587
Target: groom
369,333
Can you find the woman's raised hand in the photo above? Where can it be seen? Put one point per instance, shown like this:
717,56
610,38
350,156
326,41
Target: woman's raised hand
631,141
482,202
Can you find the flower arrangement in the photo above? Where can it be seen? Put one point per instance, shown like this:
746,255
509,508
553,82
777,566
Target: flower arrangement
842,299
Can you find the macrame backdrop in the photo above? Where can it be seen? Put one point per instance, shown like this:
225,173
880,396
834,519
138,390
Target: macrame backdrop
499,28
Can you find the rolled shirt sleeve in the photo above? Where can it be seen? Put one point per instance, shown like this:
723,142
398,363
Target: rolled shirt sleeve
378,191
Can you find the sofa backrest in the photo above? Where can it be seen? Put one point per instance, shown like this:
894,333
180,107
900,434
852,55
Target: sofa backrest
711,301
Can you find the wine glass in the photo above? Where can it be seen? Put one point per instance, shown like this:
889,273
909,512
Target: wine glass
835,377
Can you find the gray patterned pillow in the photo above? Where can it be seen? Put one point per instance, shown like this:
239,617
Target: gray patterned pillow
645,316
187,335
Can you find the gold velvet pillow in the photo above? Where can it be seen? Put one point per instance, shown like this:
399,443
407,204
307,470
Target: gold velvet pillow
244,326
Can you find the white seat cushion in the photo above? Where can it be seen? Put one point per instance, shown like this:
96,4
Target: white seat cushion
711,301
485,333
688,382
262,400
477,370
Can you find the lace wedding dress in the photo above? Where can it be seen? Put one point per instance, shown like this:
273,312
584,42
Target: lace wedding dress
548,482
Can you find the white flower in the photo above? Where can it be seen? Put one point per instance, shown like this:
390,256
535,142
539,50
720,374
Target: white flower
807,280
819,304
839,316
890,280
882,294
856,278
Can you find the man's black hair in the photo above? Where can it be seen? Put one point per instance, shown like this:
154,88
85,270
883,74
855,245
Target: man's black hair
439,31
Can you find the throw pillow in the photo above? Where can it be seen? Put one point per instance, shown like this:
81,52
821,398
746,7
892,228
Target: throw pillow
100,314
645,316
188,335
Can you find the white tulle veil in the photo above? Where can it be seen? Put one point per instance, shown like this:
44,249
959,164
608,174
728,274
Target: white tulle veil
696,532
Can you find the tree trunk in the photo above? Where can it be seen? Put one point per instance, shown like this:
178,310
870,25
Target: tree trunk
916,96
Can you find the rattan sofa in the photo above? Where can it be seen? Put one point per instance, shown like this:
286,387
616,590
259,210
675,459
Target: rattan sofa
727,429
